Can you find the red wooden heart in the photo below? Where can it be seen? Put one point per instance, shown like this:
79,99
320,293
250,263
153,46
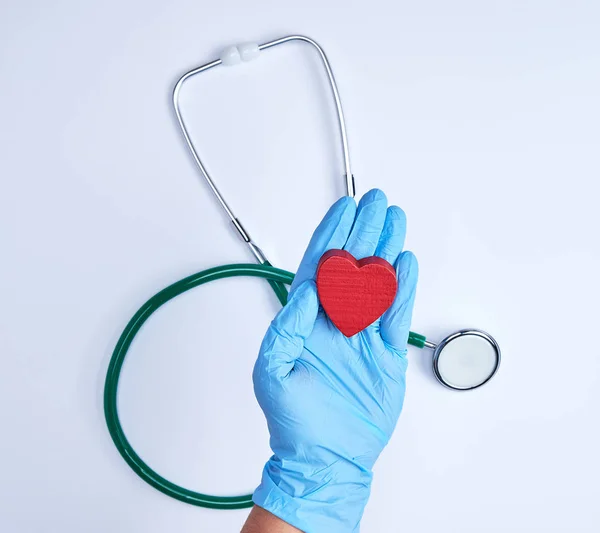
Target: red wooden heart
355,293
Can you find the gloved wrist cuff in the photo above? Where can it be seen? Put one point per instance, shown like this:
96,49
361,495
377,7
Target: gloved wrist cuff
334,507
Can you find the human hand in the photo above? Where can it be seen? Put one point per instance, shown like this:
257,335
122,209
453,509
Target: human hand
332,402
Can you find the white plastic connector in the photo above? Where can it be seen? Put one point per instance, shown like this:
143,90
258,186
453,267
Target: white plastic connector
233,55
230,56
248,51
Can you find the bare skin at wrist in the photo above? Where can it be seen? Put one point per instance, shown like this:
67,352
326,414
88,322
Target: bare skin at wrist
261,521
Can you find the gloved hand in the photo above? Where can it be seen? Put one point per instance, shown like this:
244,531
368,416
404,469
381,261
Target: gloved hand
332,402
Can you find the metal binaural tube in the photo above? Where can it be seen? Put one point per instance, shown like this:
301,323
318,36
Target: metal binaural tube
349,178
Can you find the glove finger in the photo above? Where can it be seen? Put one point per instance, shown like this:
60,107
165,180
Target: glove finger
392,236
332,232
370,217
284,340
395,323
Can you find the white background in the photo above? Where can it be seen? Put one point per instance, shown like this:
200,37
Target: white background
480,119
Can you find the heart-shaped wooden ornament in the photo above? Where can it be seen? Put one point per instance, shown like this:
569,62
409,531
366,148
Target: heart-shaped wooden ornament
355,293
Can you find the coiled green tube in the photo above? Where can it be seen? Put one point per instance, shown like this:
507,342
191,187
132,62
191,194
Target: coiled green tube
277,279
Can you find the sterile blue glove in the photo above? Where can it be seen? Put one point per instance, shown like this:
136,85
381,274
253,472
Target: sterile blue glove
332,402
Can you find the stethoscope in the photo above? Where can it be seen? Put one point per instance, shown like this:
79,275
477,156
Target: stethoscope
462,361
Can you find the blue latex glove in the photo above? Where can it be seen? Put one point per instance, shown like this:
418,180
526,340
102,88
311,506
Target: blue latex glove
332,402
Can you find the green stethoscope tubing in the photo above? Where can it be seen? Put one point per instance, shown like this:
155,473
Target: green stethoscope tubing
277,278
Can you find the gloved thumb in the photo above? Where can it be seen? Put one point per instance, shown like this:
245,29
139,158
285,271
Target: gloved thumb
285,337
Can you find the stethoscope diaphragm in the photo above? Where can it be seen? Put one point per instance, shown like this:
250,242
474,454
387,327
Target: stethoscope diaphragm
466,359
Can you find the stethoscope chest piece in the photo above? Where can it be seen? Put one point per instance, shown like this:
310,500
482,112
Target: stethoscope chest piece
466,359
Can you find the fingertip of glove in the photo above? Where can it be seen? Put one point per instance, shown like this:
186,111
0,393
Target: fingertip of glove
407,264
373,196
342,204
396,213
